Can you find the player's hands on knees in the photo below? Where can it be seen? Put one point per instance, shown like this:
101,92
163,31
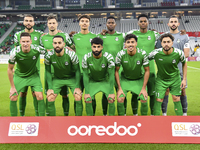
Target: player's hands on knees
144,93
87,98
72,33
50,92
103,32
13,91
183,84
77,94
120,95
111,98
183,32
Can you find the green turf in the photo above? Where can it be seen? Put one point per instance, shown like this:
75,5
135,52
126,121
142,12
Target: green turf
193,110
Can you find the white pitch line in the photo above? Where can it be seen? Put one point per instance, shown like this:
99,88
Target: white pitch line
193,67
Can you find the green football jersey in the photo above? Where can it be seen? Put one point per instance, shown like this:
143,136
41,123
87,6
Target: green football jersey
98,68
26,62
83,44
64,65
47,40
146,41
132,65
35,37
113,43
167,64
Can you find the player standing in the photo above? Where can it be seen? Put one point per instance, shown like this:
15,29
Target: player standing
35,37
98,76
146,41
46,42
168,75
66,73
181,42
26,73
132,78
112,43
82,41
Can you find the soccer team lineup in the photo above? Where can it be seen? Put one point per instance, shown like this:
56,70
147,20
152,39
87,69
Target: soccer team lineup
144,63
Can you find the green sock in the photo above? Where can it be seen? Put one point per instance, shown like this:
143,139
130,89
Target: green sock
41,108
65,105
104,104
120,109
79,108
152,101
157,108
22,105
178,108
89,109
13,108
35,103
47,112
125,105
94,106
111,109
134,104
51,108
144,109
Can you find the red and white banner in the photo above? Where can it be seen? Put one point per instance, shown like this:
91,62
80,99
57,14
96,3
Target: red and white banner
100,129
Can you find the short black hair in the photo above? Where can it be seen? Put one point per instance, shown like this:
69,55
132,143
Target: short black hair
166,35
25,34
97,40
58,36
130,36
142,15
173,16
51,16
110,17
84,16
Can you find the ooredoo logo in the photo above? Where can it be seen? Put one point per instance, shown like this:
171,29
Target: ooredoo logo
102,130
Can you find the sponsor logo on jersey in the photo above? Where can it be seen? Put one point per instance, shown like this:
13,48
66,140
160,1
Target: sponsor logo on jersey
34,57
178,41
103,66
90,64
160,59
78,39
138,62
104,36
66,63
116,39
125,61
45,40
149,37
53,62
174,61
35,38
21,59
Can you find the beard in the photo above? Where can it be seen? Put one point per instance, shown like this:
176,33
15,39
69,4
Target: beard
96,53
165,49
173,28
58,50
28,28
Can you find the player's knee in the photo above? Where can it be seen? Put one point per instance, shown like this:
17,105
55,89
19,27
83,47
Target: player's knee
23,94
14,98
120,100
64,96
159,100
39,97
51,98
143,101
33,93
77,97
88,101
176,98
110,101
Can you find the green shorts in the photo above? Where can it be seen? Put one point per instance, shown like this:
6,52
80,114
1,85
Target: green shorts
32,81
102,86
173,85
152,79
62,84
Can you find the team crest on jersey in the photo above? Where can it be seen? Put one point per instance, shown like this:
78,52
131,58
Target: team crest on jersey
90,40
174,61
178,41
116,39
149,37
35,38
66,63
103,65
34,57
138,62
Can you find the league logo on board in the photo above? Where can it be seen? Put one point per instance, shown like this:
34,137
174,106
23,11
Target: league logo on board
34,57
116,39
178,41
103,66
149,37
138,62
66,63
35,38
174,61
23,129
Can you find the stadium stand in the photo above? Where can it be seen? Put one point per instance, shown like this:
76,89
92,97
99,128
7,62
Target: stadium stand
126,5
24,7
92,6
191,23
42,8
3,28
